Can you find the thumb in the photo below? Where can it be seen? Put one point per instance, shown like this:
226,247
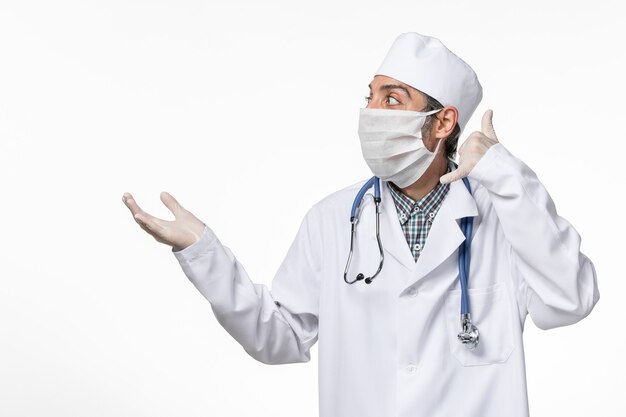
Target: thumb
487,125
455,175
171,203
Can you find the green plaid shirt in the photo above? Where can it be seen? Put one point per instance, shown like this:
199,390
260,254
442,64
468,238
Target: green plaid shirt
416,217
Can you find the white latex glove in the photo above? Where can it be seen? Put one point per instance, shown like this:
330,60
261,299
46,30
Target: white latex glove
474,147
184,231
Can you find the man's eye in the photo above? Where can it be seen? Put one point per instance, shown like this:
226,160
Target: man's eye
395,101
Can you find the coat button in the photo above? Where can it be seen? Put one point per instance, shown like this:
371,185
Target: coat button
411,368
412,292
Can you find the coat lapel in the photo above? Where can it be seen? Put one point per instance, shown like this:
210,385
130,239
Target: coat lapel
445,234
444,237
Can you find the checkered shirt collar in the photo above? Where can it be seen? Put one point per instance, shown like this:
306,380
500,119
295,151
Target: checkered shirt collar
427,204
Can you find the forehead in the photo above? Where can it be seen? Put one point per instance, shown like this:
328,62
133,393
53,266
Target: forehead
380,80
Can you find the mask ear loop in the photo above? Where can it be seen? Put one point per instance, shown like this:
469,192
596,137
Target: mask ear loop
436,151
427,118
428,114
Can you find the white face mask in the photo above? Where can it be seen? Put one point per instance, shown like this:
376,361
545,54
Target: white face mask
391,142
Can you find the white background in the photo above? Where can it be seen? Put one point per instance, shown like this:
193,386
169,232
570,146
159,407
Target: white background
247,113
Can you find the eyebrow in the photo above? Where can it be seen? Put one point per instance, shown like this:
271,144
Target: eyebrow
391,87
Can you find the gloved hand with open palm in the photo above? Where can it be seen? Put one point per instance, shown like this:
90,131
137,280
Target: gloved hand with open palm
180,233
474,147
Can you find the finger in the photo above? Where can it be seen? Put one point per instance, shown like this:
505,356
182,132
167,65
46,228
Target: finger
487,125
471,138
150,225
455,175
171,203
145,229
130,202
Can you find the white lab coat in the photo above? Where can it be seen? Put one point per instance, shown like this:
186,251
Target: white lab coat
390,348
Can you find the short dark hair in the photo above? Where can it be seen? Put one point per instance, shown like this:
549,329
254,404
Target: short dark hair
452,139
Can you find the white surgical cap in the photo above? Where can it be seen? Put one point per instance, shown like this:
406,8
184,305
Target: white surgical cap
424,63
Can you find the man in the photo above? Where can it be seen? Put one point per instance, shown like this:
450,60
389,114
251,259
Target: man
392,347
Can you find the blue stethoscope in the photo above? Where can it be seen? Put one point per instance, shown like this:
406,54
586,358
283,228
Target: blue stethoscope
469,334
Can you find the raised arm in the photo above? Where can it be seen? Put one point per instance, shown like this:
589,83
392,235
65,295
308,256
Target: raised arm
558,284
273,327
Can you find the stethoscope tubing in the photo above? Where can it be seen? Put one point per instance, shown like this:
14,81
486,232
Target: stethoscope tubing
359,197
375,181
467,225
469,335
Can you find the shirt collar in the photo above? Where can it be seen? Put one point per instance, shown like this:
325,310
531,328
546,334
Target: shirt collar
428,204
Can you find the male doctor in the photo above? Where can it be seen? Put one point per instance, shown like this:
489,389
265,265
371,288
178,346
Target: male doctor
392,347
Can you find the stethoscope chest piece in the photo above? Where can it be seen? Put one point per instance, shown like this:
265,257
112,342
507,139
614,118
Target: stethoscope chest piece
469,334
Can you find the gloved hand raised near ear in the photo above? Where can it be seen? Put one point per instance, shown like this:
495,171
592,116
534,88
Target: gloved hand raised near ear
474,147
184,231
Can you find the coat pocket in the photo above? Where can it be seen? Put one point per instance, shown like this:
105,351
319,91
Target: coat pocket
490,313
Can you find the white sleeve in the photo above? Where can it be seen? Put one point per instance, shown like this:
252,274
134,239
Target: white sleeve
557,283
273,327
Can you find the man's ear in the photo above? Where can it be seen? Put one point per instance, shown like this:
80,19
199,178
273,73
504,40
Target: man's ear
446,120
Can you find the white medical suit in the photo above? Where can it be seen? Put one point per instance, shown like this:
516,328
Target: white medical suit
390,349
